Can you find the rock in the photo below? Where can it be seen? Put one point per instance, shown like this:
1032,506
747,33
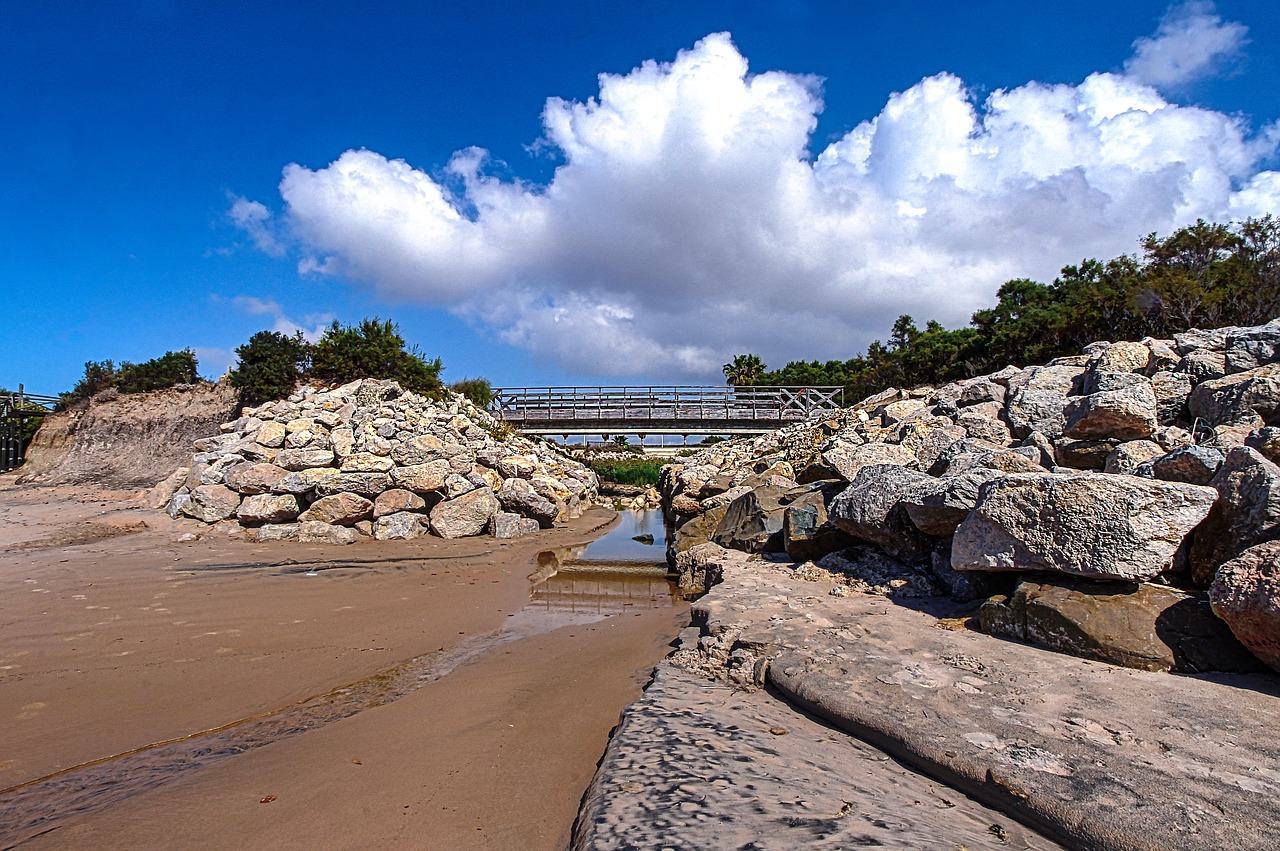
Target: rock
364,484
1037,396
340,509
975,391
268,508
960,585
212,503
1136,625
686,505
697,530
1126,457
343,441
1172,390
895,412
1124,414
255,478
395,501
1044,446
1163,355
271,434
464,516
366,462
401,526
700,566
1196,339
1203,365
806,532
506,525
302,459
1195,465
1267,441
305,481
1084,454
1250,348
178,505
847,460
423,449
752,523
277,532
1123,357
519,496
978,425
517,466
316,532
938,511
159,495
870,571
1247,512
1103,527
871,510
422,478
1237,398
1246,594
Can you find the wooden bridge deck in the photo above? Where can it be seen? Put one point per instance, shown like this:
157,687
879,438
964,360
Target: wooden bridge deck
15,410
656,410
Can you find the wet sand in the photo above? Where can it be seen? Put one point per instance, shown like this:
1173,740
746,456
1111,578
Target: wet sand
114,637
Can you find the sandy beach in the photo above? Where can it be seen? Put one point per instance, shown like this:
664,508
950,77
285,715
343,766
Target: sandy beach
115,637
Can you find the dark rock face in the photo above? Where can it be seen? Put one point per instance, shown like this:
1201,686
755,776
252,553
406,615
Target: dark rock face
806,532
752,523
1250,348
1239,398
1247,512
1195,465
1102,527
697,530
938,511
871,510
1131,624
1246,594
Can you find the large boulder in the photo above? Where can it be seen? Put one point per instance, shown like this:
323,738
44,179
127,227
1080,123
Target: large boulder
1246,594
302,459
506,525
268,508
464,516
317,532
753,522
1037,396
1103,527
1242,397
695,531
1124,414
806,532
1149,627
1250,348
363,484
519,496
1247,512
937,511
422,478
305,481
340,509
871,510
1127,456
1172,390
847,459
1195,465
397,500
401,526
255,478
212,503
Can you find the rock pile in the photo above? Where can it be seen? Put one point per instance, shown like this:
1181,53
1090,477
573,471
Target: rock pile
1119,504
368,459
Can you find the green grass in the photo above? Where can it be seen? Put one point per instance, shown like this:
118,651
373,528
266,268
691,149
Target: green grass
639,471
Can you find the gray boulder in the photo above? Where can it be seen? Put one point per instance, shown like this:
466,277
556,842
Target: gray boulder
752,523
519,496
1037,396
421,449
871,509
316,532
364,484
806,531
507,525
255,478
1267,441
848,459
1195,465
401,526
1250,348
1103,527
1238,398
466,515
937,507
1247,512
302,459
305,481
1246,594
1203,365
1172,390
422,478
1126,457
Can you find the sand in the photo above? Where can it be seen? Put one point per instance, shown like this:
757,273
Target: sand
114,637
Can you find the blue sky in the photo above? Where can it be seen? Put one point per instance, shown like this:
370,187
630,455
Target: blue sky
783,178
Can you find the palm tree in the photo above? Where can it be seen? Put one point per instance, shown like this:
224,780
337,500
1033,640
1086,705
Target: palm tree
743,370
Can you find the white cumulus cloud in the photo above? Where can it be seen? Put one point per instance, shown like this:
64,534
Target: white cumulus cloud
689,220
254,219
1191,42
312,330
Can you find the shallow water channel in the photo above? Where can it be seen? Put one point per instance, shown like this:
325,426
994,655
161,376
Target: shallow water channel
612,575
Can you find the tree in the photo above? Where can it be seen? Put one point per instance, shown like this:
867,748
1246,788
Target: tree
269,366
478,390
98,376
169,369
373,349
744,370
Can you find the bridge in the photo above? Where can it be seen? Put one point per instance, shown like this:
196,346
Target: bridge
17,410
659,410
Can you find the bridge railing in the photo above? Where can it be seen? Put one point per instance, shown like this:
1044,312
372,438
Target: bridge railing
668,403
15,410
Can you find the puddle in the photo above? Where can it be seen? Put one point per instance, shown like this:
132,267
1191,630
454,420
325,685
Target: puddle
571,586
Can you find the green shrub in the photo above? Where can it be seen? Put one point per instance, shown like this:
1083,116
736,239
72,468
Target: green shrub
98,376
633,471
478,390
158,373
270,365
373,349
